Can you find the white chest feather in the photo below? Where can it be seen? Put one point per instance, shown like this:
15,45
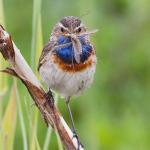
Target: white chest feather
67,83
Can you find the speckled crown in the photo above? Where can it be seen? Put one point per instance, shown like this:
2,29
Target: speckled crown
70,21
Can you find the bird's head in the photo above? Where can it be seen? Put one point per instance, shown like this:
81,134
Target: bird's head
71,30
70,25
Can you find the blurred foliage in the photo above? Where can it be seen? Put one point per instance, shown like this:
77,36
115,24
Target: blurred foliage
7,127
114,113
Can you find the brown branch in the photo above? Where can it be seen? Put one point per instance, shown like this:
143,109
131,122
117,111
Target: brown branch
20,69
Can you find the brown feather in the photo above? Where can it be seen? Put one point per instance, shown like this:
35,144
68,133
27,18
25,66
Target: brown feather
47,48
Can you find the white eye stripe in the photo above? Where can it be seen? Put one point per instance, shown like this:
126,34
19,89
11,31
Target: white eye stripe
81,27
61,25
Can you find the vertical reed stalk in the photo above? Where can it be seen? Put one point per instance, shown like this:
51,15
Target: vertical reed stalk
35,24
22,121
9,122
3,79
36,47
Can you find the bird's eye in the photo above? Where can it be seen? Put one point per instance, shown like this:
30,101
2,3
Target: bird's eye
79,30
62,29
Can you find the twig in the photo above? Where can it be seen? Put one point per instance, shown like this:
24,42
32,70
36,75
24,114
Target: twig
21,70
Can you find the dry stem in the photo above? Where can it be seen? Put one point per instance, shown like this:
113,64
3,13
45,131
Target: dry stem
21,69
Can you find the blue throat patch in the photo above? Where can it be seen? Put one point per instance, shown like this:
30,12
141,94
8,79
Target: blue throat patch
67,53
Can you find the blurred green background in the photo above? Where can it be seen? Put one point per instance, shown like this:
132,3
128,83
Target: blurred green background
114,113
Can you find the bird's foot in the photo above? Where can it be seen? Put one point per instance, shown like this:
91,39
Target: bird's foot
78,141
49,97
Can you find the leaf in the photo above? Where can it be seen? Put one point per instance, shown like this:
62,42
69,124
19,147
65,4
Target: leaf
37,144
36,47
60,147
47,138
39,39
22,122
3,79
36,30
33,143
9,121
1,12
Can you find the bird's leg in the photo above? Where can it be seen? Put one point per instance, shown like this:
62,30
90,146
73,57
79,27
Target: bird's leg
70,115
72,122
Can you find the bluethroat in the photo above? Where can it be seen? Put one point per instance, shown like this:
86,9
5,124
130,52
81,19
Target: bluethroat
68,61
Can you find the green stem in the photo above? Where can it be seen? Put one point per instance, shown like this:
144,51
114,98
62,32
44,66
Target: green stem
22,122
36,14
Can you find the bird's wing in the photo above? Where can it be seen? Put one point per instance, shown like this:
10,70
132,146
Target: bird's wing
47,48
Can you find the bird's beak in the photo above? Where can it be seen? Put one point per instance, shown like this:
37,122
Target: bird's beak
77,48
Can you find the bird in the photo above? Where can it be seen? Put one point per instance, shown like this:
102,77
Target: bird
68,61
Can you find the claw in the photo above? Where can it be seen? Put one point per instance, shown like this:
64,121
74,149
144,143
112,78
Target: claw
49,98
48,95
78,140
